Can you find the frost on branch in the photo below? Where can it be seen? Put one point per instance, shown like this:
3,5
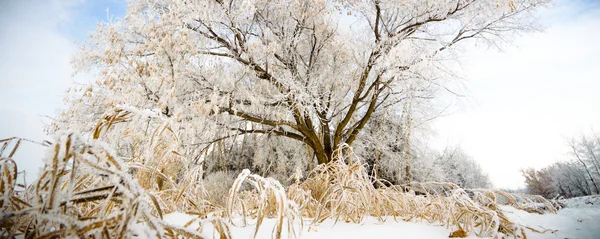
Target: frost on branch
230,76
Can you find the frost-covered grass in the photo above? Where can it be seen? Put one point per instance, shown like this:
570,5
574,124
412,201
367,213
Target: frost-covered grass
579,220
87,190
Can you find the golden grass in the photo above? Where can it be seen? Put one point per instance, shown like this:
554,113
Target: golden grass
87,191
342,190
271,202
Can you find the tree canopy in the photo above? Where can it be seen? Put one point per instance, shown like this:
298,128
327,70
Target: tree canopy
306,76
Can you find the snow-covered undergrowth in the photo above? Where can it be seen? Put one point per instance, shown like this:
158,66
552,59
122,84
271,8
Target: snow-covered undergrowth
569,223
87,191
580,219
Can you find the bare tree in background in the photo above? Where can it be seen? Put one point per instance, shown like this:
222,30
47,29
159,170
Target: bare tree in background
578,176
585,152
538,182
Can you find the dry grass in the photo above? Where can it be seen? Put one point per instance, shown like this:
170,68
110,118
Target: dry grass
87,191
84,191
342,190
267,200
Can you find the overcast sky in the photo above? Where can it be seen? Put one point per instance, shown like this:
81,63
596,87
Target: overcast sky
524,102
37,39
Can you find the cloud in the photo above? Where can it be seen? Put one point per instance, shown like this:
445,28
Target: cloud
531,97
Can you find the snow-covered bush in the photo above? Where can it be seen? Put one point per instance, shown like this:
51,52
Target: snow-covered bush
217,185
459,168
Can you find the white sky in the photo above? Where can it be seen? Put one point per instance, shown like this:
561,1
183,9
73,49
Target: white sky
34,72
530,98
525,100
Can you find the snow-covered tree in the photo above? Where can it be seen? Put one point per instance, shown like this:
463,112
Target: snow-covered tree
299,78
538,182
579,176
586,151
460,168
569,179
566,179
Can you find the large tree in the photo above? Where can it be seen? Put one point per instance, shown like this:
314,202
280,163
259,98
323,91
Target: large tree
310,72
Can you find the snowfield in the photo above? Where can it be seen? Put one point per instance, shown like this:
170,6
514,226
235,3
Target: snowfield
571,223
579,220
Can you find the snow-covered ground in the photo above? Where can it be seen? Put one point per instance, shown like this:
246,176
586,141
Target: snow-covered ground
568,223
579,220
583,202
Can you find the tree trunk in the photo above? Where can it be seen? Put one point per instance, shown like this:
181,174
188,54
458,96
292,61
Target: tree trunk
593,157
406,143
322,156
